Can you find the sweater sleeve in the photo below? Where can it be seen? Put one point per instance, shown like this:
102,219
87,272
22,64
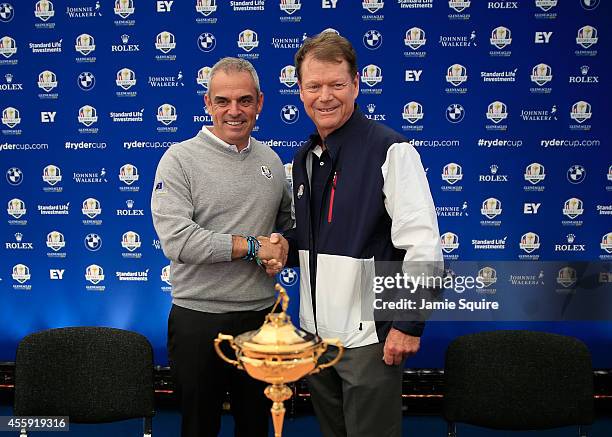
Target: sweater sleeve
182,239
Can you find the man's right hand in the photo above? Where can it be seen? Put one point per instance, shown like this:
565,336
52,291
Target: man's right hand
273,253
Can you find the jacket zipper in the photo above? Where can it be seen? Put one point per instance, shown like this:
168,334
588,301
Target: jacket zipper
330,213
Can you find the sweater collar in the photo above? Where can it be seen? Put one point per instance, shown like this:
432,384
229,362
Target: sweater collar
206,131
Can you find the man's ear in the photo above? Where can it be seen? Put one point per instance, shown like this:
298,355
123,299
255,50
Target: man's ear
260,101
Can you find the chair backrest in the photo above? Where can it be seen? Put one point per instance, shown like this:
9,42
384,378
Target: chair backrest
518,380
90,374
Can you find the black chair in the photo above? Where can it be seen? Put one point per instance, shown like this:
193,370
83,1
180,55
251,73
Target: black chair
92,375
518,380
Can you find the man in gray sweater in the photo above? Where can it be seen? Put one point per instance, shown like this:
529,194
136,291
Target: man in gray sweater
212,195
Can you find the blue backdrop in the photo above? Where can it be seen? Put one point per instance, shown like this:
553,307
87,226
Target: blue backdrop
506,101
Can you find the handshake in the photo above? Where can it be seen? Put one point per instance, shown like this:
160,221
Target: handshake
273,251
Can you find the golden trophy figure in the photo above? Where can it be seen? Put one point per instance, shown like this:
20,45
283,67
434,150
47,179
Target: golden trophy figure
278,353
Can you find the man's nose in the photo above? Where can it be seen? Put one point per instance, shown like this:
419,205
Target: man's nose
326,93
234,108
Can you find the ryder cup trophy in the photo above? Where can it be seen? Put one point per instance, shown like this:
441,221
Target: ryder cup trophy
278,353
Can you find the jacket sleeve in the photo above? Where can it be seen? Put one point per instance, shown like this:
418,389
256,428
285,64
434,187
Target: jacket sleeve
414,224
172,209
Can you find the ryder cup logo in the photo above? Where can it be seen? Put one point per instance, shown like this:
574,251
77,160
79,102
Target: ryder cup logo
288,76
530,242
47,80
206,7
290,6
207,42
10,117
581,111
415,38
449,242
567,277
164,42
606,242
55,241
491,208
130,241
14,176
126,78
52,175
455,113
546,5
587,36
501,37
8,46
372,6
541,74
248,40
6,12
204,77
91,208
44,10
497,112
413,112
166,114
534,173
128,174
21,273
452,173
85,44
487,276
88,115
124,8
456,74
16,208
573,208
371,75
165,275
459,5
94,274
290,114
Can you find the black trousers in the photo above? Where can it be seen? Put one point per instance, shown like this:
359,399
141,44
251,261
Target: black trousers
203,379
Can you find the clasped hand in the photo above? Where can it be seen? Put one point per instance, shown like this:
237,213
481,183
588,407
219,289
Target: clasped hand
273,253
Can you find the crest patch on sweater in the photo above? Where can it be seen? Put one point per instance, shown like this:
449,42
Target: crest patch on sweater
266,172
160,187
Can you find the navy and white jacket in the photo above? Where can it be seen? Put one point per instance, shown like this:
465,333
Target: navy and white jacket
376,207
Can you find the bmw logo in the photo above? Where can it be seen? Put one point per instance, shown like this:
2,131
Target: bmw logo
290,114
93,242
589,5
207,42
14,176
576,174
86,81
6,12
288,277
455,113
372,39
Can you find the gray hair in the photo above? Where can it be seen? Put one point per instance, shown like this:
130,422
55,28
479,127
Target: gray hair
235,65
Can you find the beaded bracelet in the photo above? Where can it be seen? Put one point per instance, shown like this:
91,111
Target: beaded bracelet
253,246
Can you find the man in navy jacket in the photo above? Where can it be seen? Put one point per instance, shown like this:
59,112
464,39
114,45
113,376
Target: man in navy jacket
360,195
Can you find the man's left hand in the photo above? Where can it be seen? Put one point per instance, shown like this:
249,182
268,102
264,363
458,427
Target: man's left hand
399,346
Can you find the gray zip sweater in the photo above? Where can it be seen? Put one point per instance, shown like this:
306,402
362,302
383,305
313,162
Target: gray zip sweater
204,193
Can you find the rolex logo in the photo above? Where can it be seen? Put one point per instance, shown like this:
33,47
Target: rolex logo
371,108
493,169
18,236
571,238
584,70
125,38
129,203
8,77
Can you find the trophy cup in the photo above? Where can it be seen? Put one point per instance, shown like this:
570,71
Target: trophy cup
278,353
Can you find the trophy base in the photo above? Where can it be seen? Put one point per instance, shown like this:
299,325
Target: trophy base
278,393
